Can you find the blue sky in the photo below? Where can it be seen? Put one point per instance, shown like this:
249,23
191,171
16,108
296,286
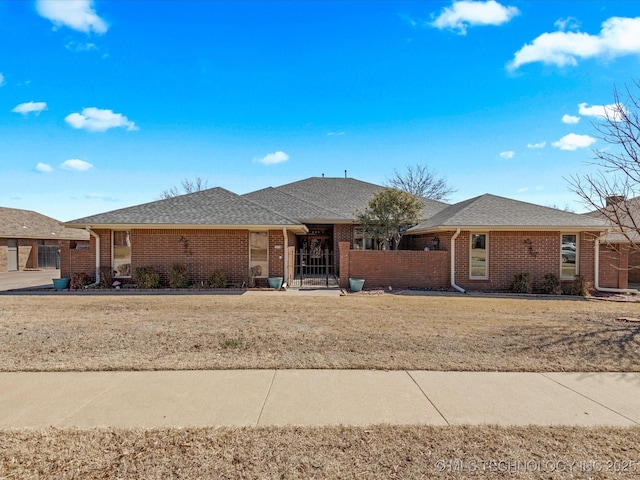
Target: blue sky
106,103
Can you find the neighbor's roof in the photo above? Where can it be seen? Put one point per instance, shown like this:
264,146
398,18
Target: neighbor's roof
16,223
491,211
214,207
340,198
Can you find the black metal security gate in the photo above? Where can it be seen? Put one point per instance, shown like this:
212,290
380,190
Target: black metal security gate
314,268
48,256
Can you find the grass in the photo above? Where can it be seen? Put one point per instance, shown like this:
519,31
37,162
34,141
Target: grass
80,332
383,452
67,333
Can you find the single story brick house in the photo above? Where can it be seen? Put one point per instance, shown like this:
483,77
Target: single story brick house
309,228
31,241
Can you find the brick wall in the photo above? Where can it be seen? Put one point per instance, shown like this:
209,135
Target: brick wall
634,265
341,234
515,252
509,253
395,268
76,258
613,266
202,251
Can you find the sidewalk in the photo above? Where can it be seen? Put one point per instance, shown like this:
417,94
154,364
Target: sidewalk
315,397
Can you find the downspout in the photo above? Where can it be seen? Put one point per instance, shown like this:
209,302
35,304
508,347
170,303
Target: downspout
596,273
286,256
453,263
97,237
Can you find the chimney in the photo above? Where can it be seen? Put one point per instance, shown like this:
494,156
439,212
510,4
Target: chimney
614,199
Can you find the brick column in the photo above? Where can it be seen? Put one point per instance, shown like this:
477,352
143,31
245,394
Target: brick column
344,264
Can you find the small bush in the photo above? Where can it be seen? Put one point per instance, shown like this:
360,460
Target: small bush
551,284
521,283
577,287
106,277
146,277
178,277
80,280
218,279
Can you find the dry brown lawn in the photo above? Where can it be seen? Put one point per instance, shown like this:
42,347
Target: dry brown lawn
382,452
82,332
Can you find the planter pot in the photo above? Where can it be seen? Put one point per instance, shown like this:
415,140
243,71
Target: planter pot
275,282
356,284
61,283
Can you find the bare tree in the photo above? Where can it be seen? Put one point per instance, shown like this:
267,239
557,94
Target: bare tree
188,186
422,182
611,191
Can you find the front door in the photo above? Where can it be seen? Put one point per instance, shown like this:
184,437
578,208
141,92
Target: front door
12,250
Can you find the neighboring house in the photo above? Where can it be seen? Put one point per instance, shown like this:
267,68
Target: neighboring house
309,227
623,214
30,241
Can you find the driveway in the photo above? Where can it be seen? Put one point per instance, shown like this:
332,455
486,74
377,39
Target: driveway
30,279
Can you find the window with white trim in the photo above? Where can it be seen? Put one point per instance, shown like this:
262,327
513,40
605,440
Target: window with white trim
478,256
258,254
121,248
568,257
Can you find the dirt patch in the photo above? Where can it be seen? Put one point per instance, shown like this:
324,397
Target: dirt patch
327,452
80,332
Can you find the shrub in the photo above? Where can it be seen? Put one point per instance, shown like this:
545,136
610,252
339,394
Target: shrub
218,279
577,287
80,280
551,284
106,277
178,277
146,277
521,283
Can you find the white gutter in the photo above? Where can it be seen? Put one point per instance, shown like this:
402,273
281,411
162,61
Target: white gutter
596,276
97,237
286,256
453,262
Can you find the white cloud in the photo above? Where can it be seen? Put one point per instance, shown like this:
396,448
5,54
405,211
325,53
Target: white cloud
537,145
469,13
97,120
335,134
43,167
76,14
570,119
611,111
619,36
522,189
75,164
507,155
30,107
73,46
1,80
569,23
273,158
574,141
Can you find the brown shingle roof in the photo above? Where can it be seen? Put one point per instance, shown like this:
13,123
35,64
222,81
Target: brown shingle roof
16,223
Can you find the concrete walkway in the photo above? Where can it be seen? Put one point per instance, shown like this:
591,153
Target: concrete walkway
315,397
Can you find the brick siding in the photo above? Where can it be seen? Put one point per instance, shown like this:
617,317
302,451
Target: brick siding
395,268
202,251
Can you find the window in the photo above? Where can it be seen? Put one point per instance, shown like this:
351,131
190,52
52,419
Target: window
258,257
568,255
122,253
365,241
479,257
